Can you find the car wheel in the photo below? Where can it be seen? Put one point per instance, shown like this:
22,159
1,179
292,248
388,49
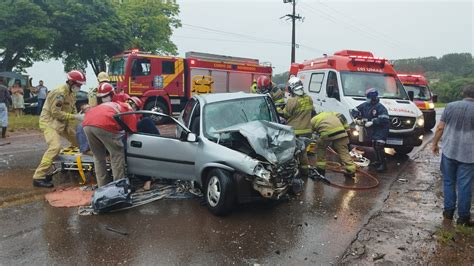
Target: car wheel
219,192
403,150
159,107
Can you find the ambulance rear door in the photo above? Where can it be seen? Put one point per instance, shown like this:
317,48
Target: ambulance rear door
313,83
332,94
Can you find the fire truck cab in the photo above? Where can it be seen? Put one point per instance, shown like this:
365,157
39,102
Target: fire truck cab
422,96
165,84
338,83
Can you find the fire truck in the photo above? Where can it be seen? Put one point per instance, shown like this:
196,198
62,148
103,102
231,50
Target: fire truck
165,84
338,83
422,96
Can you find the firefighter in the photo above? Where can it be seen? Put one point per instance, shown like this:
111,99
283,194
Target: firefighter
266,86
104,134
378,125
55,122
92,95
332,130
297,112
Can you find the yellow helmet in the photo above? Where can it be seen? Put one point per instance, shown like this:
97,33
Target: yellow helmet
103,77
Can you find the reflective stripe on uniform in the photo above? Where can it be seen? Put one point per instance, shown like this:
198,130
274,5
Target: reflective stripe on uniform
384,116
303,131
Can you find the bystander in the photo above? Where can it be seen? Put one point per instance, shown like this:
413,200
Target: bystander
5,100
42,91
457,160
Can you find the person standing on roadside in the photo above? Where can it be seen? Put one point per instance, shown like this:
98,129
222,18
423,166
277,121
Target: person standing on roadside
5,100
17,98
42,91
456,128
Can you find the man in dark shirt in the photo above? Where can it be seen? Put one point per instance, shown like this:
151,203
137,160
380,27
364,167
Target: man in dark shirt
5,100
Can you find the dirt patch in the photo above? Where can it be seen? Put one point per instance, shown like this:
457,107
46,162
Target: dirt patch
406,229
455,246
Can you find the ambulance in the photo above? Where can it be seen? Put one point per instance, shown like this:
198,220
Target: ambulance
165,84
338,83
422,96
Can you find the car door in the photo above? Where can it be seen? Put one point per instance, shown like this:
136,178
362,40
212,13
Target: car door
165,155
315,90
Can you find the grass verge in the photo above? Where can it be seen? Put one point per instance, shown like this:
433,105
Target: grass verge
22,122
440,105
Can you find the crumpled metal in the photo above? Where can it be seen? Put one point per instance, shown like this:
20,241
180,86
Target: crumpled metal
274,142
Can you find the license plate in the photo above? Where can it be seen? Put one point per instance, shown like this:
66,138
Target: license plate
398,142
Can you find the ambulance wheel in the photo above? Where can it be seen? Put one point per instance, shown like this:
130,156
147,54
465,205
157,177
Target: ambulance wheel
403,150
219,192
429,125
158,107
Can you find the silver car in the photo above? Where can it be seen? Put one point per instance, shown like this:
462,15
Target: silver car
230,144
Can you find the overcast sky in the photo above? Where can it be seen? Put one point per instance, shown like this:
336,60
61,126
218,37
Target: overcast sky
391,29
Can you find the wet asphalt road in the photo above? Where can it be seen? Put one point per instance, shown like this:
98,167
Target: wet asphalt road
315,228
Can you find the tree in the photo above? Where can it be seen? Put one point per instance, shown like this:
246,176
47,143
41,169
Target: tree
25,35
93,31
149,24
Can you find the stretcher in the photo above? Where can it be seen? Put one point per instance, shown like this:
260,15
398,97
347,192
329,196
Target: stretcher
71,159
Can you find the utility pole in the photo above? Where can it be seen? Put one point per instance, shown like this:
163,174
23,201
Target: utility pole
293,18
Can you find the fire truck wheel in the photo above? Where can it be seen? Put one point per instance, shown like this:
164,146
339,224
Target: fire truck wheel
158,107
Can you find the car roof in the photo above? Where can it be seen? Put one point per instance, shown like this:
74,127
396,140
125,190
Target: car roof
219,97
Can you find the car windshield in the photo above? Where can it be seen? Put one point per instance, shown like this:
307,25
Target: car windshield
356,83
420,92
117,66
224,114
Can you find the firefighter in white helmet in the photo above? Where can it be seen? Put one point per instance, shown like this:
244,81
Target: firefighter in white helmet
102,77
298,112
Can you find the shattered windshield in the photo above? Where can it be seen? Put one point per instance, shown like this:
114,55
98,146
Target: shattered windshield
224,114
420,92
356,83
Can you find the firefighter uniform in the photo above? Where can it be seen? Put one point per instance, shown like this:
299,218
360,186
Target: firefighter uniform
55,122
298,112
253,88
331,127
92,97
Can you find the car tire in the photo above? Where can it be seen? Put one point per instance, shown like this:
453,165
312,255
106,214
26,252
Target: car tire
159,107
219,194
429,125
403,150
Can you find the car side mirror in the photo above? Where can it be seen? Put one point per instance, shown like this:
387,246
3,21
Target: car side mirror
191,137
411,95
434,98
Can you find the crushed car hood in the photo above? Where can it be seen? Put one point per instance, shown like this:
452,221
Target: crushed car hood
274,142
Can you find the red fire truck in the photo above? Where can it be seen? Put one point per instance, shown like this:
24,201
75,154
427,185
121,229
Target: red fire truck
166,83
422,96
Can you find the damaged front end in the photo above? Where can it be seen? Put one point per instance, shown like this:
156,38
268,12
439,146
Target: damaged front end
274,147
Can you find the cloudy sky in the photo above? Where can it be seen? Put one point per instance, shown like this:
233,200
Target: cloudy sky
391,29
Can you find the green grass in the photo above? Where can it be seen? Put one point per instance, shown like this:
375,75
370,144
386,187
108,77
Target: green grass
22,122
440,105
445,236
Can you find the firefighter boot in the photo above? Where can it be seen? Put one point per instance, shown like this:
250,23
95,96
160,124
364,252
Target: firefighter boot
4,132
42,183
381,155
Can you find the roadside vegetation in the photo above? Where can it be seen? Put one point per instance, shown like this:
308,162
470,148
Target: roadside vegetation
24,122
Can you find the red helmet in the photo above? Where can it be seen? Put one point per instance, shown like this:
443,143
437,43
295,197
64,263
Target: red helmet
76,76
105,89
120,97
138,103
263,84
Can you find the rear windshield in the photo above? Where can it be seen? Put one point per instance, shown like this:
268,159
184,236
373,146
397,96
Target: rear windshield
117,66
420,92
356,83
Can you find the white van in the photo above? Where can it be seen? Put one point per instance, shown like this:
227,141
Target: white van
338,83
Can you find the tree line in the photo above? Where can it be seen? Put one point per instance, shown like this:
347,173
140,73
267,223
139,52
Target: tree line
83,31
447,75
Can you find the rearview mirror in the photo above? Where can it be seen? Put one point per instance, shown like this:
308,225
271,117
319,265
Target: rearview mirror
191,137
411,95
434,98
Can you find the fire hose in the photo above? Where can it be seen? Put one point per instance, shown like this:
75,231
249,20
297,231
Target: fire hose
337,167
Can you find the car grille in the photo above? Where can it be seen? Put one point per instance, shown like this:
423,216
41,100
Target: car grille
402,122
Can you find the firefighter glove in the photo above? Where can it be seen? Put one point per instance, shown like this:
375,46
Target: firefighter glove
78,117
369,123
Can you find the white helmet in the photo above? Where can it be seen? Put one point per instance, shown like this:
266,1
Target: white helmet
295,86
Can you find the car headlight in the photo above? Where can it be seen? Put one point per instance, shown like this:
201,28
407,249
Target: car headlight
431,106
420,121
261,172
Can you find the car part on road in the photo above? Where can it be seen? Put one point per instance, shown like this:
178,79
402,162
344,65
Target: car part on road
116,231
114,195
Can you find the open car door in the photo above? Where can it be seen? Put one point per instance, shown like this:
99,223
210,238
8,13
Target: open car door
160,155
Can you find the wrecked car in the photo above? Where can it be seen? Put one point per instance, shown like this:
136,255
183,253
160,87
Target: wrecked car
230,144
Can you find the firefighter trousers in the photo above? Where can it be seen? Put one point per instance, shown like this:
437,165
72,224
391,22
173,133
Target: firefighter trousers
102,141
303,158
53,139
342,150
